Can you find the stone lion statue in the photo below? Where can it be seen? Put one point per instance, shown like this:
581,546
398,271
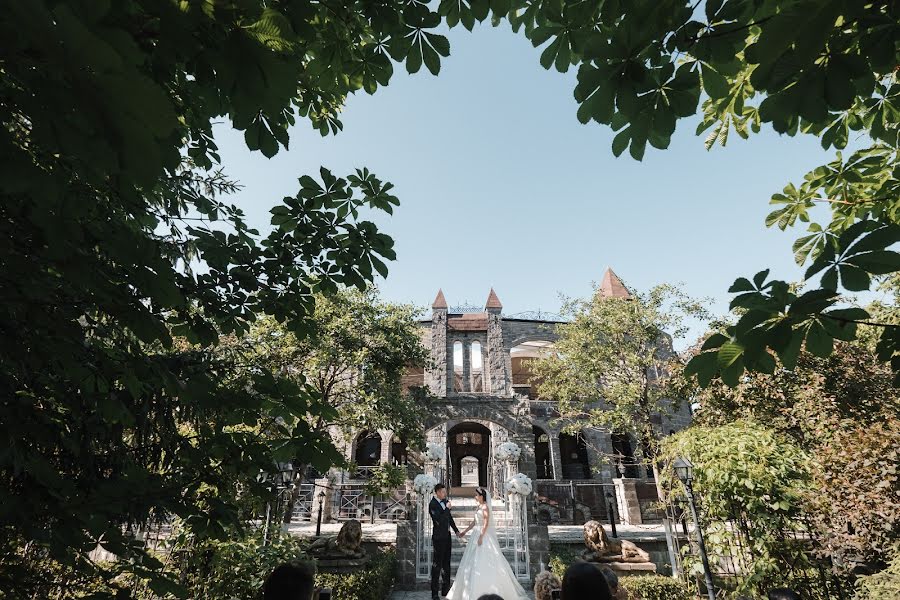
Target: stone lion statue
602,549
346,544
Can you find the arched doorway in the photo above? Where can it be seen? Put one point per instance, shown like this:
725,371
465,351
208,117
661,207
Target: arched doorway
542,460
573,455
469,444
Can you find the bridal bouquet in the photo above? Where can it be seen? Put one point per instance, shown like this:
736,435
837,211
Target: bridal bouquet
507,451
519,484
424,484
434,452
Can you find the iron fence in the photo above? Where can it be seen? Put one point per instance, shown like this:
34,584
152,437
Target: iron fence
751,558
575,502
352,501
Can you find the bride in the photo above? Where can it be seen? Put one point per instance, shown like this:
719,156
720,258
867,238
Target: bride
483,569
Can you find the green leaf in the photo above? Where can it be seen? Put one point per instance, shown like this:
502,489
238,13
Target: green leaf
741,284
791,351
714,83
704,366
728,353
818,341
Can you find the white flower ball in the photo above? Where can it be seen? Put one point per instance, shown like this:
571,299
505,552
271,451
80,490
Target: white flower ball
519,484
507,451
424,484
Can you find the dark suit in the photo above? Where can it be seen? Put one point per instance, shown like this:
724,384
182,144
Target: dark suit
440,539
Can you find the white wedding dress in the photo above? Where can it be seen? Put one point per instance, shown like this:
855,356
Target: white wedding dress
483,569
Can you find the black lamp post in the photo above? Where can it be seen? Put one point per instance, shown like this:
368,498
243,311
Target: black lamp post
684,469
319,519
610,513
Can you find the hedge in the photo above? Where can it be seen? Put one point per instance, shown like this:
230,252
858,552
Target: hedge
373,583
656,587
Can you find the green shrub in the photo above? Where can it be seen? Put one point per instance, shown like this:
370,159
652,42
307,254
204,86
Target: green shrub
656,587
374,583
561,556
884,585
235,568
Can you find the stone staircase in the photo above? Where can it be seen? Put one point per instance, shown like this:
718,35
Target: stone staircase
463,515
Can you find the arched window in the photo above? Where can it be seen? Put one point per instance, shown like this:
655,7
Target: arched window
458,367
573,455
399,451
542,453
368,449
477,367
623,455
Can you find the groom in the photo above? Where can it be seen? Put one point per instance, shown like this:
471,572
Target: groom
439,509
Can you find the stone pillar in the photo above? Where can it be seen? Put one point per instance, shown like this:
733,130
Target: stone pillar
599,450
466,367
436,373
555,456
496,370
538,549
406,555
387,438
627,499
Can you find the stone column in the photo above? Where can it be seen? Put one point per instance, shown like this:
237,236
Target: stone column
627,499
496,372
466,367
436,373
387,438
406,555
555,456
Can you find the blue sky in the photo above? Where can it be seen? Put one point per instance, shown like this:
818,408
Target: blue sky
501,186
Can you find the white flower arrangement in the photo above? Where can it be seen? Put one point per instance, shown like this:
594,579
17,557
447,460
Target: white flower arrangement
424,484
434,452
519,484
507,451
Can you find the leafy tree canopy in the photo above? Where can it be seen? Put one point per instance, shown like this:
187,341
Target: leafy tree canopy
609,367
842,410
115,243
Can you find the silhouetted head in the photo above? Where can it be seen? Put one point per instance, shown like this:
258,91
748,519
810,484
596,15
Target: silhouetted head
490,597
290,581
584,580
783,594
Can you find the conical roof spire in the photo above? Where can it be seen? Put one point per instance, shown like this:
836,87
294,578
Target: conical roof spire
439,302
612,286
493,301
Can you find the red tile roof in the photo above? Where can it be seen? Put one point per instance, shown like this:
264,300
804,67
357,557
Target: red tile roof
468,322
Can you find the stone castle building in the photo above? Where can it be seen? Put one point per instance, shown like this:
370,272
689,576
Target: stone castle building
482,394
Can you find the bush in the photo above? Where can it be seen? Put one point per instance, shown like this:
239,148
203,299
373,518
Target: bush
374,583
235,568
656,587
884,585
561,556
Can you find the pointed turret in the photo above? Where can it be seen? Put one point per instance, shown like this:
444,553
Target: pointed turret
493,301
612,286
440,303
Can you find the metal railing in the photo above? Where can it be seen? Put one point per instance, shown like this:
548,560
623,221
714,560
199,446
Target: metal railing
575,502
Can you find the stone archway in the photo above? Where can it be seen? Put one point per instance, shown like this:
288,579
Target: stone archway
468,439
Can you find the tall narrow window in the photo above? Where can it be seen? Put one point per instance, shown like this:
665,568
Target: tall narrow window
458,367
477,368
